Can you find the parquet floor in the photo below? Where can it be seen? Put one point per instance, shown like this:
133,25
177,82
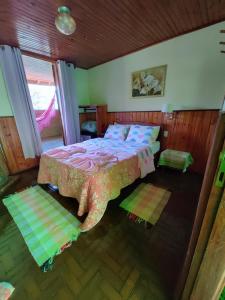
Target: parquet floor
116,260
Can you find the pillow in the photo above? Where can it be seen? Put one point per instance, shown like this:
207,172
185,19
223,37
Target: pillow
127,127
143,134
116,132
89,126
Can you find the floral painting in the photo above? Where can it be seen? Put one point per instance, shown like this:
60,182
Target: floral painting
149,82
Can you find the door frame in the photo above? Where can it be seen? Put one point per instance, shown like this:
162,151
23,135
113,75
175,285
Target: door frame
212,269
197,246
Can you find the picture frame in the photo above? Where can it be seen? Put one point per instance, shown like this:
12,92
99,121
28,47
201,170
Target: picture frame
148,82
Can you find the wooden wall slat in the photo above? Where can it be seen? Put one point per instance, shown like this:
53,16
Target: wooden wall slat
190,131
105,29
12,148
90,116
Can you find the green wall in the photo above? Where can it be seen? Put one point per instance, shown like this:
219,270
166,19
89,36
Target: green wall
5,108
82,86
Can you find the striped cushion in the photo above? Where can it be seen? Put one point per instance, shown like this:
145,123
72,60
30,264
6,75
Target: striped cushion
45,225
146,202
175,159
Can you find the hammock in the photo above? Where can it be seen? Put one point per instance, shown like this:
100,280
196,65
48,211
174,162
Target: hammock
46,117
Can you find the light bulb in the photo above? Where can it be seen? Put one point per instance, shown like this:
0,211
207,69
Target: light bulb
64,22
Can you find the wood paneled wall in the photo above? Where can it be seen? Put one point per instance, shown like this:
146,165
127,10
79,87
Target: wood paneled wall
105,29
12,148
188,130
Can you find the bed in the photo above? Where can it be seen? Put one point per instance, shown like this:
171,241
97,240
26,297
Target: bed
95,171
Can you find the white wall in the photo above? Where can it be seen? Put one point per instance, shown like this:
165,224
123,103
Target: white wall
82,86
195,74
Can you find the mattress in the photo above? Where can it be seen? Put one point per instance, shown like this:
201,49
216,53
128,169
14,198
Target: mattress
153,146
95,171
106,144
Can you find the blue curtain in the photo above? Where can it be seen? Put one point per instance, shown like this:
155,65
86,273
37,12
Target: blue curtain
19,97
66,91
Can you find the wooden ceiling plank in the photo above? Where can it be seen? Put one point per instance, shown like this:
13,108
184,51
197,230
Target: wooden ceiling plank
105,29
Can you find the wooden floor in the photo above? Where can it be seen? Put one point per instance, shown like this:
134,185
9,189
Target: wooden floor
117,259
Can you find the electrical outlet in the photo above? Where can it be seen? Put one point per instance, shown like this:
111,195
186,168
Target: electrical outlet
165,133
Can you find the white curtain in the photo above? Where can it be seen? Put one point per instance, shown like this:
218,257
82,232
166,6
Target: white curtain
66,90
12,68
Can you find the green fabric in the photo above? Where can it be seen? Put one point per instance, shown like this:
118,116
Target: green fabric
3,171
175,159
6,290
222,296
146,202
44,224
3,178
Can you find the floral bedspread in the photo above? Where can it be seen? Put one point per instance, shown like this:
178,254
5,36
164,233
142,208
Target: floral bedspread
94,172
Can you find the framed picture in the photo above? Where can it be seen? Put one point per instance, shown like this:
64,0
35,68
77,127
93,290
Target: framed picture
149,82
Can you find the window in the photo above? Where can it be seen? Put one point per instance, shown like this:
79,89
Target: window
42,95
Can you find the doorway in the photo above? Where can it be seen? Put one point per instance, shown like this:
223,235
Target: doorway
41,84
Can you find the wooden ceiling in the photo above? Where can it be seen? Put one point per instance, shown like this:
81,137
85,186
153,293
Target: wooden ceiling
106,29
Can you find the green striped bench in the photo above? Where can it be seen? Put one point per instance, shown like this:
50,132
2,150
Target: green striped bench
175,159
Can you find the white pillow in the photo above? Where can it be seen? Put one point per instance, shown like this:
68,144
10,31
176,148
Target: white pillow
127,126
143,134
116,132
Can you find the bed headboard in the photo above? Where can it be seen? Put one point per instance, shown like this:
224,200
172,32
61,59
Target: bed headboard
137,122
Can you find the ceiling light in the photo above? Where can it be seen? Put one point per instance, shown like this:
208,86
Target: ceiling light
64,22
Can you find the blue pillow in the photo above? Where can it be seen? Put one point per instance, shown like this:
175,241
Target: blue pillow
89,126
